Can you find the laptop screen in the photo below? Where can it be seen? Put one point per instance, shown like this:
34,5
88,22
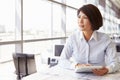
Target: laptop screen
58,49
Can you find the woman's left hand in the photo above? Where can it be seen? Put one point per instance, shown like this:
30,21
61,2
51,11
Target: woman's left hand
100,72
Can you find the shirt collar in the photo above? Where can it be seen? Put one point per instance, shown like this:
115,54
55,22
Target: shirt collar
81,35
94,36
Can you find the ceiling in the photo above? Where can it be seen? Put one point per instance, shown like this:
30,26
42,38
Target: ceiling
116,2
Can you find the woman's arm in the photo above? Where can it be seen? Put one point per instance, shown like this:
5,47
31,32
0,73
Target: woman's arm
112,61
112,57
66,54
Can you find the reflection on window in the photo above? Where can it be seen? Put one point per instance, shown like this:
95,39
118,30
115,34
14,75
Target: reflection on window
7,20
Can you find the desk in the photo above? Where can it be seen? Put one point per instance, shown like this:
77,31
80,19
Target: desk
58,73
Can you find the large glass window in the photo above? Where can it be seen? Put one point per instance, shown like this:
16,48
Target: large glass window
33,20
7,29
6,52
43,48
36,26
37,47
36,19
57,18
7,20
40,46
75,3
71,21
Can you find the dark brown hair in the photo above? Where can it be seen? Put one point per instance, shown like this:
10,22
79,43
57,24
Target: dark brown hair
93,14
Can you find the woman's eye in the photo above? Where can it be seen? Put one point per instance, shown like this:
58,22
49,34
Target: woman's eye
79,16
85,17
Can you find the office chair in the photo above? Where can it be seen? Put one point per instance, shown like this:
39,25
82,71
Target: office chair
24,64
118,47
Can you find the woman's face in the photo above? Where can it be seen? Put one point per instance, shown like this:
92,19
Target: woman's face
83,22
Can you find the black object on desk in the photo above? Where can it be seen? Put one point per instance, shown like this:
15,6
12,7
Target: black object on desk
52,62
24,64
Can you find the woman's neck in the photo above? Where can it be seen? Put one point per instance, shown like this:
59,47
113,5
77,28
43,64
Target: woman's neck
87,34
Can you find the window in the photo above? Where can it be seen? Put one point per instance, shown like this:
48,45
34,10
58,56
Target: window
58,17
7,29
71,21
6,52
31,23
36,19
7,21
75,3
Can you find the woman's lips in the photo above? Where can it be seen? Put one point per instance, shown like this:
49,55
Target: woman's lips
81,26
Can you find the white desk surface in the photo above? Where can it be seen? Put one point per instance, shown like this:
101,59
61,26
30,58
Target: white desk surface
57,73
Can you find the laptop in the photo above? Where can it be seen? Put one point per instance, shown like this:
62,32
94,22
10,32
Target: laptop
58,49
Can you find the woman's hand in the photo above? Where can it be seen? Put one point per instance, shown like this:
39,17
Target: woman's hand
100,72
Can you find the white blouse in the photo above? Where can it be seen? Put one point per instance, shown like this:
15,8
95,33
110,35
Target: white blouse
95,51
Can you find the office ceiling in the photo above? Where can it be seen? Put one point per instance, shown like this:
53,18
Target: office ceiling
116,2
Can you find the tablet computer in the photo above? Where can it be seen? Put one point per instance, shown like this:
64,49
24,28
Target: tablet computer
86,68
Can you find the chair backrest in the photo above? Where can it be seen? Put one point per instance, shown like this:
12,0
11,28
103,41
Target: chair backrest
58,49
31,64
24,64
118,48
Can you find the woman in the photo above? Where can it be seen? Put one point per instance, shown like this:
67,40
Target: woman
87,46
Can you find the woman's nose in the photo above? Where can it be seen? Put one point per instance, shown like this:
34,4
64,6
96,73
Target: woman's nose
80,20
